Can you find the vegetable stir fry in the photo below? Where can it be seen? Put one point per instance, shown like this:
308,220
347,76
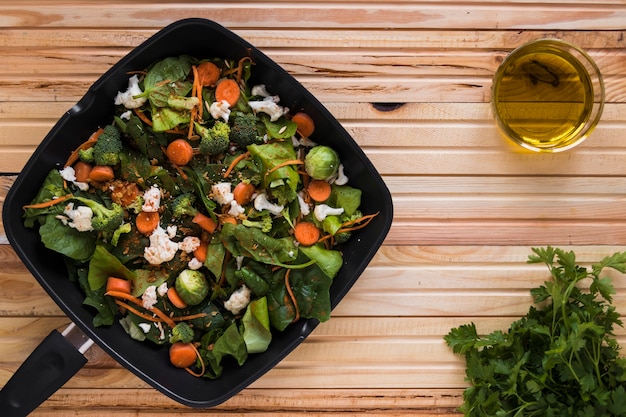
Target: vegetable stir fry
204,217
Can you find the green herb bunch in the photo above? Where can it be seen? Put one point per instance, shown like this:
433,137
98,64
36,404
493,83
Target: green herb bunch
561,358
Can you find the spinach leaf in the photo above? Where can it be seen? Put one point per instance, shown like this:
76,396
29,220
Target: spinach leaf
281,181
167,77
51,189
311,287
256,326
65,239
103,265
228,343
328,260
261,247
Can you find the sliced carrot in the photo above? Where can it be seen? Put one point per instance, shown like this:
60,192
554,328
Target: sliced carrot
208,73
319,190
81,171
183,355
228,90
306,233
228,219
179,151
101,173
175,299
205,222
201,252
243,192
118,285
147,221
306,125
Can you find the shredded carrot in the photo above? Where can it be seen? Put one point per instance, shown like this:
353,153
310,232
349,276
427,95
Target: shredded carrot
164,317
240,67
284,164
202,366
292,296
48,203
198,91
189,317
143,117
362,221
137,312
83,146
234,163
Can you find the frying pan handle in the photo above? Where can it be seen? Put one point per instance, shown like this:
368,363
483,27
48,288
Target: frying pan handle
47,368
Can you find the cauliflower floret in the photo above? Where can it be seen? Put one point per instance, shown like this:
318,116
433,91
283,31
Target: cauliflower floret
268,106
161,248
80,218
194,264
145,327
220,110
68,174
149,297
305,209
262,203
151,199
189,244
238,300
235,209
127,98
126,115
171,231
221,193
322,210
162,289
260,90
339,178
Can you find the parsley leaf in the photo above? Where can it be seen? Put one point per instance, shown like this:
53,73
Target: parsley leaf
561,358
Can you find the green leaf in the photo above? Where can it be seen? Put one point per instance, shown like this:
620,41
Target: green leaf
462,339
65,239
329,261
102,265
256,326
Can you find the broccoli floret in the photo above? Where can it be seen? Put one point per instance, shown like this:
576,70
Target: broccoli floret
108,146
182,332
183,205
244,131
86,155
264,223
214,140
104,219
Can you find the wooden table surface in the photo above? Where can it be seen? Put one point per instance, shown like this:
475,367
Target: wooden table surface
410,80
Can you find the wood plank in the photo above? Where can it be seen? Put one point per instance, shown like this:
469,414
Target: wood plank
550,16
276,38
275,403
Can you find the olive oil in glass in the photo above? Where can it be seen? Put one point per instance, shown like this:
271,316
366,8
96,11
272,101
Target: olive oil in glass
545,98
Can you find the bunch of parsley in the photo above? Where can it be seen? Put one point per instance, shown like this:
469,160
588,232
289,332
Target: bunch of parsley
561,358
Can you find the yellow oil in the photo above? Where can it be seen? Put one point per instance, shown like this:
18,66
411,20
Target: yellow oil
543,98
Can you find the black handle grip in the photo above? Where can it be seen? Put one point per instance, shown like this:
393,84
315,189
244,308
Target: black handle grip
47,368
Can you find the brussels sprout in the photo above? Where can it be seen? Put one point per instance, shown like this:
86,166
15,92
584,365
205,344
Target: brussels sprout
321,162
192,286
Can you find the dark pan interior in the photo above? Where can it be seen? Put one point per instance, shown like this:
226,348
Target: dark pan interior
200,38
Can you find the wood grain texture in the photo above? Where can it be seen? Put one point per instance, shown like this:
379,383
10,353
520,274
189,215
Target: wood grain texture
410,81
